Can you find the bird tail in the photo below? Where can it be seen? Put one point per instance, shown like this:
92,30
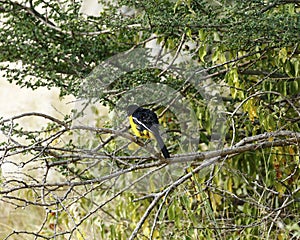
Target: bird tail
161,144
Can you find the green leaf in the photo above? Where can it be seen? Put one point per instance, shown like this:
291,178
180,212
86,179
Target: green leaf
296,64
202,35
202,52
283,55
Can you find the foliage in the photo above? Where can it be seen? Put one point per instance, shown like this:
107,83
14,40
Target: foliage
247,188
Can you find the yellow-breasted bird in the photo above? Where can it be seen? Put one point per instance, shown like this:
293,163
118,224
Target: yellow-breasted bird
144,124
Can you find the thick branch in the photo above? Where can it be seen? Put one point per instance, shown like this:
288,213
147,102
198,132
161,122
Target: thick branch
208,158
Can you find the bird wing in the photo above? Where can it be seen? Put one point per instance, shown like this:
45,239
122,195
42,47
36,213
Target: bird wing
140,123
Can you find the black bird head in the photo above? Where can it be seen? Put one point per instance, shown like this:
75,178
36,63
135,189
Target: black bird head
131,109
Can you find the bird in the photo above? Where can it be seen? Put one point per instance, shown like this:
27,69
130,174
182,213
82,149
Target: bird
144,124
